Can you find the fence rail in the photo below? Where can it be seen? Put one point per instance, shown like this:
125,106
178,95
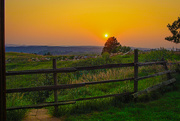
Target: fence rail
157,74
150,63
66,102
56,87
63,86
66,70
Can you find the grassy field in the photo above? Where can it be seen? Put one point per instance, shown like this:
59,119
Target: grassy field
161,105
22,61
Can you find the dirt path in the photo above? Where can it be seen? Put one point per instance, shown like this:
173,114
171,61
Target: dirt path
40,115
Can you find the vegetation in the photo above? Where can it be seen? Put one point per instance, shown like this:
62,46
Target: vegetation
157,55
175,30
113,46
161,105
21,61
48,53
110,45
122,49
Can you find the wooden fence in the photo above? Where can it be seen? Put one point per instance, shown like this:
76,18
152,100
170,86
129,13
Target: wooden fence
56,87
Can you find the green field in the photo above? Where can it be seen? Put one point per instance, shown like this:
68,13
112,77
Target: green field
161,105
22,61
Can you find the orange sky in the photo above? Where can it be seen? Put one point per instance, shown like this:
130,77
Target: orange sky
138,23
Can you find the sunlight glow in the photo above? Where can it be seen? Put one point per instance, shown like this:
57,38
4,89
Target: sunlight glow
137,23
106,35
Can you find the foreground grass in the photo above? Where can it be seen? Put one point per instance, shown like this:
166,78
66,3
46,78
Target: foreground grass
101,90
20,61
166,107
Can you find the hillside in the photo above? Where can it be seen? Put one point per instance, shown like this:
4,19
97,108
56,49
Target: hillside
23,61
60,50
56,50
161,105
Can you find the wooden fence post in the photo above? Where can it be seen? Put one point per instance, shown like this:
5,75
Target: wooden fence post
55,83
135,70
166,68
2,65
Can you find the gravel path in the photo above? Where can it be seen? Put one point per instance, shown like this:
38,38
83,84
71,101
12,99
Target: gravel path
40,115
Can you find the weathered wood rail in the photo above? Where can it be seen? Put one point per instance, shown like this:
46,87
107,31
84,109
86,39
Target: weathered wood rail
67,70
56,87
150,89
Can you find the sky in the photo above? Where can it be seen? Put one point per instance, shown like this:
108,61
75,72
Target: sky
135,23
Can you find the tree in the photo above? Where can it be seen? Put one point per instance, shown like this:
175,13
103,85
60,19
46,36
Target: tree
175,30
123,49
48,53
110,45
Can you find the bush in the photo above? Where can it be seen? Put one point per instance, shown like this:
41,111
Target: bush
123,49
106,57
157,55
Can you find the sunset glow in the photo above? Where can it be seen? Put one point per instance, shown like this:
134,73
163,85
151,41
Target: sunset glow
106,35
137,23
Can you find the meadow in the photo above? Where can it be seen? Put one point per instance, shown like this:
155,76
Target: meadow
23,61
160,105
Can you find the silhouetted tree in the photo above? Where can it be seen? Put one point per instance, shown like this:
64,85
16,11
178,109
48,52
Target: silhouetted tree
110,45
175,30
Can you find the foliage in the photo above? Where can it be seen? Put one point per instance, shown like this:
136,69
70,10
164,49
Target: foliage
157,55
106,57
177,68
175,30
16,99
48,53
102,89
40,96
113,46
163,104
19,62
122,49
110,45
16,115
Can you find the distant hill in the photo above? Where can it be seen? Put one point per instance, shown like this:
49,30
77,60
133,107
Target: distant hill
56,50
60,50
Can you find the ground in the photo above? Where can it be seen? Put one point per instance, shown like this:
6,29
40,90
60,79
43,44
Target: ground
40,115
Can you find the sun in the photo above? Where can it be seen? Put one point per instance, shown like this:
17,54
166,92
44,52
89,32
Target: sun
106,35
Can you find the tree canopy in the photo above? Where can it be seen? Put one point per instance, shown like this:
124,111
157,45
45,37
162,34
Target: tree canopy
110,45
175,30
123,49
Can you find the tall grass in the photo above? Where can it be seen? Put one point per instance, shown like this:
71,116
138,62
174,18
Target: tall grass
160,105
16,99
103,89
20,61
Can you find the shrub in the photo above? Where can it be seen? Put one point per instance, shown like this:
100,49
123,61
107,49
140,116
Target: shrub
157,55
